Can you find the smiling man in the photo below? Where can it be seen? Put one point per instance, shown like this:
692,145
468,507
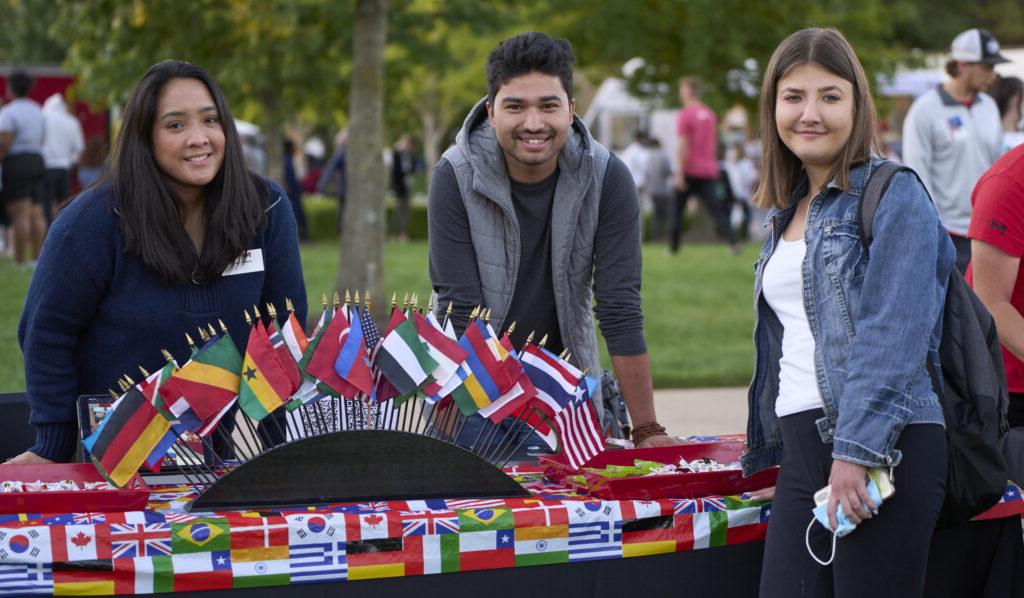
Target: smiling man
532,218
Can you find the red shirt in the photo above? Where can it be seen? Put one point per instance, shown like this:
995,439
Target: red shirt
698,124
998,219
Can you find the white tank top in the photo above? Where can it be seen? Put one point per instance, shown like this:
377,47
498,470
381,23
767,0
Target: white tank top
783,290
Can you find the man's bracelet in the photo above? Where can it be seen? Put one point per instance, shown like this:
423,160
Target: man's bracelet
645,431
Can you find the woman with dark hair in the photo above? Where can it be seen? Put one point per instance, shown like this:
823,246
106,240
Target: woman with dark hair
842,341
176,235
1008,92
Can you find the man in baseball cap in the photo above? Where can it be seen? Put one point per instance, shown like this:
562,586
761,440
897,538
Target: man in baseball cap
952,133
976,45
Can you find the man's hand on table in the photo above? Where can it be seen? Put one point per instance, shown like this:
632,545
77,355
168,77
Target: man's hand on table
660,440
28,458
762,494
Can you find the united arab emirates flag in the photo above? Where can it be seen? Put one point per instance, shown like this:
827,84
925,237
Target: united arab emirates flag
404,360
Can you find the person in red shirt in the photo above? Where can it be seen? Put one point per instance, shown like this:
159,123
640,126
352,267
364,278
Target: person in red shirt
697,163
997,244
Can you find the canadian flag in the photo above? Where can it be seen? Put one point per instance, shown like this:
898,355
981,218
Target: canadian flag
80,542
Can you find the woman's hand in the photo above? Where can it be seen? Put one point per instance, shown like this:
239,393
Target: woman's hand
850,489
28,458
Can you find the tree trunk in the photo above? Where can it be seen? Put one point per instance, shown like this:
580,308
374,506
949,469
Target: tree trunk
273,136
361,264
432,130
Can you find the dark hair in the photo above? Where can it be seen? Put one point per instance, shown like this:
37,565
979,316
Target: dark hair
780,168
527,53
20,83
953,68
1003,90
150,211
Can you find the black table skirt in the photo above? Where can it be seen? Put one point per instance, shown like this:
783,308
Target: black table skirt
980,560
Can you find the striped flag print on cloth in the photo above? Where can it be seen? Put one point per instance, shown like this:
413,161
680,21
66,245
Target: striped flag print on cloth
595,530
541,545
26,579
578,429
318,561
438,554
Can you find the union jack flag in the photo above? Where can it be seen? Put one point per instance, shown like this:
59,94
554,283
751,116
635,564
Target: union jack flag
429,523
139,540
89,518
689,506
363,507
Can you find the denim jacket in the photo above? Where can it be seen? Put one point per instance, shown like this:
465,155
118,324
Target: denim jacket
874,316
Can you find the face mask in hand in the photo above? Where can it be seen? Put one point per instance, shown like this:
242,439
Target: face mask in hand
879,486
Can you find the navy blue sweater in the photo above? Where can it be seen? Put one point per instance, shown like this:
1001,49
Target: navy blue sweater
94,312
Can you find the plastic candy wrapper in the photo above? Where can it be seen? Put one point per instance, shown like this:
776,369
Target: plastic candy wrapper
41,486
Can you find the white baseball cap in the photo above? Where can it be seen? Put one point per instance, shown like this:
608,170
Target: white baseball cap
976,45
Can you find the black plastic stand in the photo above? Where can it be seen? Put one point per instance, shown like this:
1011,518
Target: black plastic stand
354,466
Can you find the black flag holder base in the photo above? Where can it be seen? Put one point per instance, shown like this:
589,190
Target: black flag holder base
357,466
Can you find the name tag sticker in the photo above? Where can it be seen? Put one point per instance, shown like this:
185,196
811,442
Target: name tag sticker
250,261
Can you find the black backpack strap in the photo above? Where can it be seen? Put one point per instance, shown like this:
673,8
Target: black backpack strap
873,192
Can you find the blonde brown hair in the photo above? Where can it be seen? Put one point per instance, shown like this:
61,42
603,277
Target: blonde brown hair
780,168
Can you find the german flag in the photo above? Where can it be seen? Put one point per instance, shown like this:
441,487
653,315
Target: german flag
264,384
131,432
209,382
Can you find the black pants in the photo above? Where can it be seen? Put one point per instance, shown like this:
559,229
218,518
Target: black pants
706,191
886,555
963,252
58,188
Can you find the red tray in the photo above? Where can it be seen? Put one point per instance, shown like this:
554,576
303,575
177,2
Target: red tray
677,485
133,497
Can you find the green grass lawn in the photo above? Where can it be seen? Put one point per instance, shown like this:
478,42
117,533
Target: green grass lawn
697,306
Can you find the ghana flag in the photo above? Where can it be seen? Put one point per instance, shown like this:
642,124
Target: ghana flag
264,384
129,435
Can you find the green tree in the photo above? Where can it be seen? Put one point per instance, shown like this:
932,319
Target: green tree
275,59
24,35
436,61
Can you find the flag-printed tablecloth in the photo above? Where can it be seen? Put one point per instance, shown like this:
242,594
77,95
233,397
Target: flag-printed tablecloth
164,548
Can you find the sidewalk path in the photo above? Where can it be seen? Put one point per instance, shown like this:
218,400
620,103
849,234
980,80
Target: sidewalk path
696,411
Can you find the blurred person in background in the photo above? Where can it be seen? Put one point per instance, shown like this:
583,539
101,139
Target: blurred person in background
292,187
403,165
1008,93
697,164
92,162
635,156
333,173
22,132
952,133
659,182
63,145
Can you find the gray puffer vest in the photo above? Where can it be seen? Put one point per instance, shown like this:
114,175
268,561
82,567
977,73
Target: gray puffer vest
483,182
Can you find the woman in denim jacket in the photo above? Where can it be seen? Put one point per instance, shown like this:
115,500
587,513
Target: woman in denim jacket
841,336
